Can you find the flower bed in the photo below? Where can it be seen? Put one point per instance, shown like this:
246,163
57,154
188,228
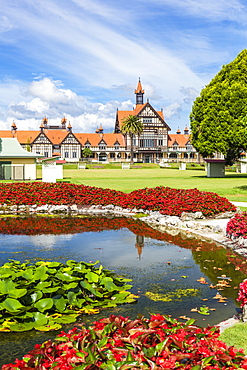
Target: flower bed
159,342
237,226
163,199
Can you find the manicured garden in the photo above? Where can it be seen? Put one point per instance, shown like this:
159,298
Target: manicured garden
116,342
163,199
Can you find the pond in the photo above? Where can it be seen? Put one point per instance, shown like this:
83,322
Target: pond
172,273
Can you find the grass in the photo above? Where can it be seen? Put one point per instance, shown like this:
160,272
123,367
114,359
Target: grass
233,186
236,336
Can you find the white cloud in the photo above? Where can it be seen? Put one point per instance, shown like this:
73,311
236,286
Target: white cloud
5,24
42,98
172,110
234,10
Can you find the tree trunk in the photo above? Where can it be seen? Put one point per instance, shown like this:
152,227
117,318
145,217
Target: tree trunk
131,150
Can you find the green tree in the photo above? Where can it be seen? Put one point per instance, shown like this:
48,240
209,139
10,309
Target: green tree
132,125
86,153
219,115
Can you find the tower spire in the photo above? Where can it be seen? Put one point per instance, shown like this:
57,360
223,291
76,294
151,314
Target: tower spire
139,93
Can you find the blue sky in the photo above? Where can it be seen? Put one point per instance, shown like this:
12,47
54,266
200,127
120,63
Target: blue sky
82,58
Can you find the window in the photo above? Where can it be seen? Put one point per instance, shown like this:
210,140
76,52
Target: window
46,154
66,154
73,154
175,147
173,155
160,142
112,155
147,120
147,141
188,147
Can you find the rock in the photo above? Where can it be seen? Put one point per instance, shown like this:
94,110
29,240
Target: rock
225,215
171,221
109,206
190,216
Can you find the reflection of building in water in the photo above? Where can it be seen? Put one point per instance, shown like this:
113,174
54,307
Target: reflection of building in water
139,244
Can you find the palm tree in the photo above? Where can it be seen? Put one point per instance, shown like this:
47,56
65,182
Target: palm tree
132,125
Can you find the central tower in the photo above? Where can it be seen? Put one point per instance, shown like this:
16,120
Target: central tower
139,93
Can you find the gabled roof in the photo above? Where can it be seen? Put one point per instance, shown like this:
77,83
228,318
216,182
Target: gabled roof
94,139
180,139
56,136
11,148
122,114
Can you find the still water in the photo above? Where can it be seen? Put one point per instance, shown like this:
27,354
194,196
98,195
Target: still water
171,274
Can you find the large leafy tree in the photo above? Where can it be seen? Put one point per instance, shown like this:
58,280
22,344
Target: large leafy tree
219,115
132,125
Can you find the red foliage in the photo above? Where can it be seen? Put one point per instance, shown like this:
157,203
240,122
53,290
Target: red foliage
237,226
156,343
242,293
166,200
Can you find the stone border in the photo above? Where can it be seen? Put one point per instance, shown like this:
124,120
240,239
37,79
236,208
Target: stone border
194,223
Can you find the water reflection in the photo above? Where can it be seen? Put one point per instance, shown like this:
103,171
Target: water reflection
161,264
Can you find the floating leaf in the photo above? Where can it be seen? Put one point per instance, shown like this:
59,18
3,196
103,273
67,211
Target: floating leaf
44,304
12,305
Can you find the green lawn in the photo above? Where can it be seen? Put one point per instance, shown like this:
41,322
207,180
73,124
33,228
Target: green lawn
236,336
233,186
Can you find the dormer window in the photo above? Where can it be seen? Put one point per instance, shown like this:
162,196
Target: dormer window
102,145
116,145
175,146
87,144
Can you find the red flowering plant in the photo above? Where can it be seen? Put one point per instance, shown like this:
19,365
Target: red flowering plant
237,226
166,200
242,293
116,342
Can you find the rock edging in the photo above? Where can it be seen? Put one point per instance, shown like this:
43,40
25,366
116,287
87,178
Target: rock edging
194,223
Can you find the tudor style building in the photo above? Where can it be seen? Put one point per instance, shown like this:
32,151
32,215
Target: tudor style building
155,144
151,145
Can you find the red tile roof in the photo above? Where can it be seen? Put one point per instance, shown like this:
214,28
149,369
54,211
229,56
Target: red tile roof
180,139
94,139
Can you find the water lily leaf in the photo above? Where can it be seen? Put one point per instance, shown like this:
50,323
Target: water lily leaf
27,274
60,304
42,284
39,319
17,293
6,286
92,277
51,290
36,296
44,304
204,310
12,305
89,287
51,325
66,319
40,273
64,276
108,283
71,297
21,326
54,264
70,286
